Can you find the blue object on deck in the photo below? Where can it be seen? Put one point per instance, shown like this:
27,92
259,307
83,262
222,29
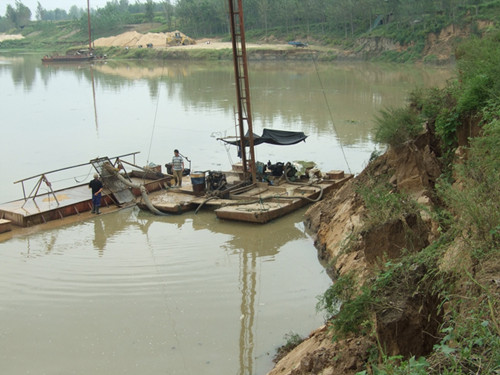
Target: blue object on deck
298,44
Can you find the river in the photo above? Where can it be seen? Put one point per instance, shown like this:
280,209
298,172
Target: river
130,293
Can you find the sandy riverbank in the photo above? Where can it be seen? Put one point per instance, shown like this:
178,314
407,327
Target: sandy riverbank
10,37
133,39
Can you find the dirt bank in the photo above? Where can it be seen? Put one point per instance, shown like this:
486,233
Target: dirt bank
346,242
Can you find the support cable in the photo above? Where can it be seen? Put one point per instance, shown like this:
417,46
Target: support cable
156,113
330,113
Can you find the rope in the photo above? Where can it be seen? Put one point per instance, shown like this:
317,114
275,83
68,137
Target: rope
330,113
86,177
156,113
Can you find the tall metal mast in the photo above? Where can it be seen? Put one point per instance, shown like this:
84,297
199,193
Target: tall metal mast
88,22
242,86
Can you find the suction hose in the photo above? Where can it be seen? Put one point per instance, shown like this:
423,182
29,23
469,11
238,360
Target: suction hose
143,190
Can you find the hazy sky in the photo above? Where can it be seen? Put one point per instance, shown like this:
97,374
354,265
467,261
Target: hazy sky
53,4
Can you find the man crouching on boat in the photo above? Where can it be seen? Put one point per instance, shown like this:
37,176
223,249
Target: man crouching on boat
96,186
177,168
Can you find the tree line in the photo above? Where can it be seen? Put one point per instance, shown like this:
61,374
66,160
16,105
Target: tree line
345,18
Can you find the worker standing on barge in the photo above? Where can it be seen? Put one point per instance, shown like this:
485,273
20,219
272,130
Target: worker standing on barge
96,186
177,168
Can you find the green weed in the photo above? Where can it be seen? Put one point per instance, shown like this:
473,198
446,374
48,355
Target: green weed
395,126
292,340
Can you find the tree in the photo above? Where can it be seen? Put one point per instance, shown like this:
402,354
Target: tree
40,12
11,15
60,14
5,24
263,10
168,9
75,12
124,5
150,10
20,16
104,19
23,14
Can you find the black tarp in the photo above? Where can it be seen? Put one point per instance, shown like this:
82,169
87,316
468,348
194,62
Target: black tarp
274,137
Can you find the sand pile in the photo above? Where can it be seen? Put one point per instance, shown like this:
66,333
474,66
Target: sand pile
135,39
10,37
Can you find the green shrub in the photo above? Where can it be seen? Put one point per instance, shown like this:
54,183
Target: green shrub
139,53
396,365
475,93
292,340
395,126
447,122
479,72
384,204
471,340
348,307
342,290
475,202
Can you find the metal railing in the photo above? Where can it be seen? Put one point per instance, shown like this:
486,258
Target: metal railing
42,178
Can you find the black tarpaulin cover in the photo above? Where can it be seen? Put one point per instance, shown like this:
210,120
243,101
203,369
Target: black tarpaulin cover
274,137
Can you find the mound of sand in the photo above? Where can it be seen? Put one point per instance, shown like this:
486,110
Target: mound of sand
135,39
10,37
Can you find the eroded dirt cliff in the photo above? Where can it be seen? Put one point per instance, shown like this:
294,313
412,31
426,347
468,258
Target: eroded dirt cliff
350,244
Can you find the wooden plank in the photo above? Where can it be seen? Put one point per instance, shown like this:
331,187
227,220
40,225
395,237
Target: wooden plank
5,225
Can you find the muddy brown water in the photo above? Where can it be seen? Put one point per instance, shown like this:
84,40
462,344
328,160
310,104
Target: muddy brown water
128,292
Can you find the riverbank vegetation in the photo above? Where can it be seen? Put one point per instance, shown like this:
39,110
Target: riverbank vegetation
341,23
454,281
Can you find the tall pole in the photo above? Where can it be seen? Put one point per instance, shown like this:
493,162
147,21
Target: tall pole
242,84
88,23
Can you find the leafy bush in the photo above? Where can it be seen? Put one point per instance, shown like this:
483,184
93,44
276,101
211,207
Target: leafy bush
139,53
384,204
292,341
475,202
480,81
342,290
447,122
395,126
396,365
471,341
348,306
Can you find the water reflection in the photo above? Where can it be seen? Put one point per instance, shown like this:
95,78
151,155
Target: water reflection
99,240
248,245
96,118
322,98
